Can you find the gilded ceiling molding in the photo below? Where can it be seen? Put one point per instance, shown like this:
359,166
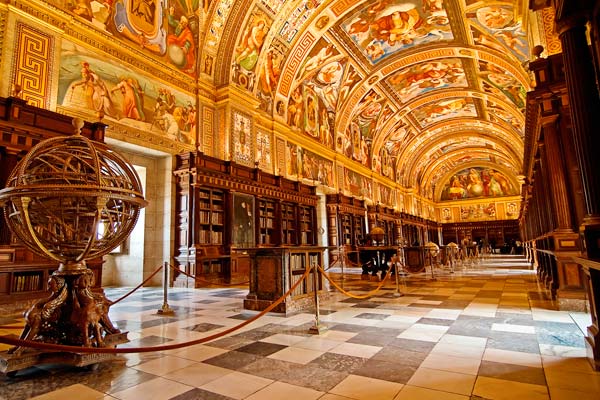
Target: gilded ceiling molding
233,27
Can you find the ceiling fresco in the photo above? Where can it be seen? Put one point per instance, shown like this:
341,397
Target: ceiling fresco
418,91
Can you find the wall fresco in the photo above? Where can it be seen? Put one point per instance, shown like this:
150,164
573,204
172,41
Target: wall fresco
478,182
103,86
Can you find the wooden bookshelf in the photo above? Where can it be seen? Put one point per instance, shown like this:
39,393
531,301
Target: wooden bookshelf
224,208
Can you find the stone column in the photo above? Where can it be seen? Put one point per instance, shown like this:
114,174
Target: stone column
584,103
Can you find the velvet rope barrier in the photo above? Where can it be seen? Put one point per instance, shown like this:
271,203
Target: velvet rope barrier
205,281
369,294
77,349
9,327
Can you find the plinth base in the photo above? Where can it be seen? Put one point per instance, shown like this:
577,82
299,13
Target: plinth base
10,364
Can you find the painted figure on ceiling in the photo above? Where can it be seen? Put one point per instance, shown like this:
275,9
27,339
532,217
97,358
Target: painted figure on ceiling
249,49
180,44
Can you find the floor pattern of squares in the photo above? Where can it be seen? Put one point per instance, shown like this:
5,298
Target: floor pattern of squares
488,331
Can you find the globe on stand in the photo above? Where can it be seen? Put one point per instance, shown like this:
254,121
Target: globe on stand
70,199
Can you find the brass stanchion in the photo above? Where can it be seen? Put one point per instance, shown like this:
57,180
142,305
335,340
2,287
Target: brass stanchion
317,328
165,310
396,273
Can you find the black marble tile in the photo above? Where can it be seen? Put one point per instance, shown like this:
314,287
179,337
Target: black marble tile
524,342
235,360
420,346
314,377
339,362
388,371
229,343
372,316
253,335
203,327
436,321
269,368
512,372
395,354
261,348
370,339
200,394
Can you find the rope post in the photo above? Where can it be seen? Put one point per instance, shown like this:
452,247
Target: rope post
317,328
396,273
431,265
165,310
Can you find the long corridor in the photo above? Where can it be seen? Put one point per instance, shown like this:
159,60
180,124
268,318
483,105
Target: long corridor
486,331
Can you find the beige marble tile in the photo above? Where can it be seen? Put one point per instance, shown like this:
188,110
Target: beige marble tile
451,363
296,355
283,339
237,385
564,394
317,343
458,350
409,392
281,390
363,388
199,352
572,364
163,365
356,350
443,380
513,357
576,381
155,389
77,391
425,332
491,388
198,374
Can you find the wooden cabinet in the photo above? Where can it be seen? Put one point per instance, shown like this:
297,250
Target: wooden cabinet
266,222
346,220
387,219
23,274
224,209
274,270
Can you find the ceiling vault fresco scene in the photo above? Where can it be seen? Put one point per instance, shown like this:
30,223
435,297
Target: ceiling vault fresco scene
417,104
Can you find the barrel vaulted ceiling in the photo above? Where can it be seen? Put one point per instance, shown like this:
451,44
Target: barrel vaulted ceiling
415,90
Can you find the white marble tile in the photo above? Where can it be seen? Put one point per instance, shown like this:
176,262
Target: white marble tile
562,351
513,328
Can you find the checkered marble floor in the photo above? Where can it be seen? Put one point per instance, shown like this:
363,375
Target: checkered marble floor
488,331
